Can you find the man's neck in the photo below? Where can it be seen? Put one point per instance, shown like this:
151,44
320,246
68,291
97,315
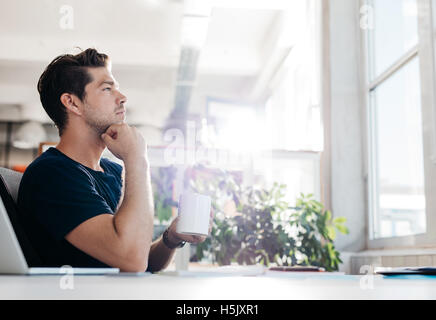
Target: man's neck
84,147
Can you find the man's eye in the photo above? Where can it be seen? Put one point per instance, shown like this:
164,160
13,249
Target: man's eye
108,89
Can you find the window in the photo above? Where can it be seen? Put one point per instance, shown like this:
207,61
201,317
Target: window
399,172
242,130
397,104
395,32
283,135
293,112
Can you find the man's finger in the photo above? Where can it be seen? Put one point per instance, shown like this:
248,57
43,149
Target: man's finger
199,238
106,138
112,132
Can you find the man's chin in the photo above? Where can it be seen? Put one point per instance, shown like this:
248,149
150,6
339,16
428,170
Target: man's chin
101,130
119,120
121,116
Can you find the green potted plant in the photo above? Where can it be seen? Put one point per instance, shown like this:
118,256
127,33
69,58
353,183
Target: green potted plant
264,228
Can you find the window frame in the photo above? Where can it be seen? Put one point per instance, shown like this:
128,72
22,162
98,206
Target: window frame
424,50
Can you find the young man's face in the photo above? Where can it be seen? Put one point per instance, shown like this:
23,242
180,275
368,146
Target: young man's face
103,102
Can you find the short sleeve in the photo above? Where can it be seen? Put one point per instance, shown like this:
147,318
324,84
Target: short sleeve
62,197
114,168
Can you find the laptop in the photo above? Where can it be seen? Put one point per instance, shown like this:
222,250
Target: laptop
13,259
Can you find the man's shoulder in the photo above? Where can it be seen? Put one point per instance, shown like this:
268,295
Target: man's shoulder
110,161
51,163
112,165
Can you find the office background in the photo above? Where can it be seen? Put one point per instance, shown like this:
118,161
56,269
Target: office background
339,96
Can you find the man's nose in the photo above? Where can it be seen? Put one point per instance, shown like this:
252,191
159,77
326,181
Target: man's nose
122,98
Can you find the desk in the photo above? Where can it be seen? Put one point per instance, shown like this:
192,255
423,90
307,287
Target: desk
191,287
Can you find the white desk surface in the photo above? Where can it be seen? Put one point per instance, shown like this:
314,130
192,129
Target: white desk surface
200,287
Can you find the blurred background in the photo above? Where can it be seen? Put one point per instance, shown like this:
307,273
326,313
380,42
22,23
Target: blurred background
221,64
328,98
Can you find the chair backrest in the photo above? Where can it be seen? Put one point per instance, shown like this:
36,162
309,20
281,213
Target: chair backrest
12,180
9,185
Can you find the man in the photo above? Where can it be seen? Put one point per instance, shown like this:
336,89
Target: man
78,208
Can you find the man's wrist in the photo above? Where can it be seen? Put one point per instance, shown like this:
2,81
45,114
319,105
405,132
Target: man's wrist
170,241
137,162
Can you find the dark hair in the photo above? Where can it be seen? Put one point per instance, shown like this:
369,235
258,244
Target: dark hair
67,74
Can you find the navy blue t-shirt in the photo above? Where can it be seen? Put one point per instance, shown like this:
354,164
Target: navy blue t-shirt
56,195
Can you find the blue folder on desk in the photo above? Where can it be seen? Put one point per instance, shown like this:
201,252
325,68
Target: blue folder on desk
406,270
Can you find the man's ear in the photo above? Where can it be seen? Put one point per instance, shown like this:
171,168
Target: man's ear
71,102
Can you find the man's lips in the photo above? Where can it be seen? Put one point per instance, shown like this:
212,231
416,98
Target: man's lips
121,111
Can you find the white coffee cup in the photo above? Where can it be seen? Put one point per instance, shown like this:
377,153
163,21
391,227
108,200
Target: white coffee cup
194,214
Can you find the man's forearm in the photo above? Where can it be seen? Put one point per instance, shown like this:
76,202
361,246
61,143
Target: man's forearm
160,256
133,221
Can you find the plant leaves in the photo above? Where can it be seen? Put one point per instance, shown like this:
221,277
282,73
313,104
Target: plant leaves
339,220
331,232
342,229
267,228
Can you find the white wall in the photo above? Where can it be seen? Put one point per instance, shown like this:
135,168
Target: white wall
347,179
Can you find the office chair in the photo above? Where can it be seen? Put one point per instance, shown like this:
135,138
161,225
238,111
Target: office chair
9,185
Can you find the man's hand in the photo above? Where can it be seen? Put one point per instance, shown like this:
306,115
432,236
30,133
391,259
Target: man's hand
125,142
175,237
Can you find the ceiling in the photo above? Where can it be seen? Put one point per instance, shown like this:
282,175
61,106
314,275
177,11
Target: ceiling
143,38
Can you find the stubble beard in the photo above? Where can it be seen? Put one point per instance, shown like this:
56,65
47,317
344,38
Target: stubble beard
97,124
